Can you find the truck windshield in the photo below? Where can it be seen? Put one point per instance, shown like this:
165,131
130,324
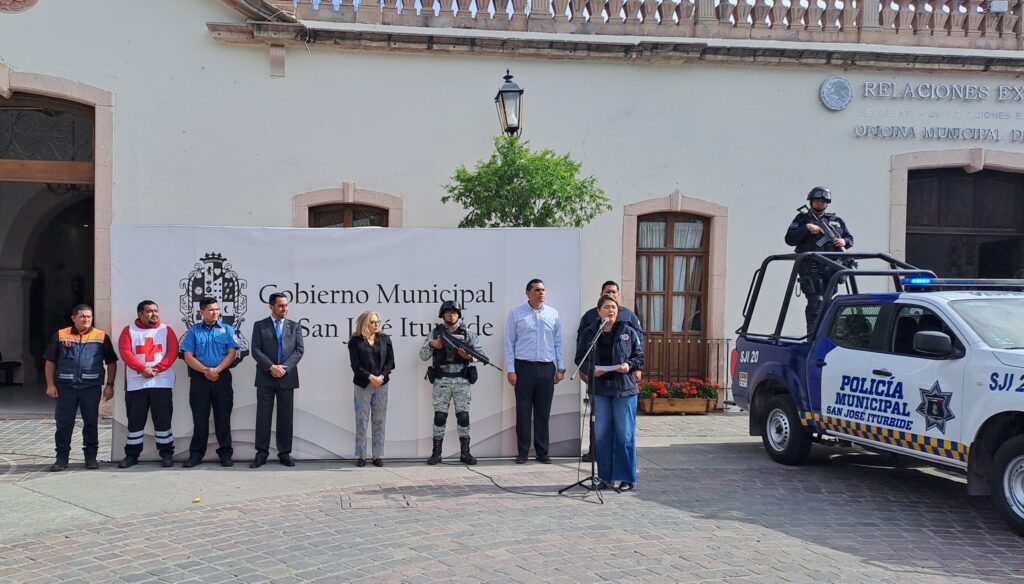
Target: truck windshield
998,321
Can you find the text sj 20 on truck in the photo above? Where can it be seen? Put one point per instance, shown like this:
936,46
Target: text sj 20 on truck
932,370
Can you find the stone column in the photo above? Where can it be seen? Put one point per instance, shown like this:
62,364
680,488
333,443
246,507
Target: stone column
14,289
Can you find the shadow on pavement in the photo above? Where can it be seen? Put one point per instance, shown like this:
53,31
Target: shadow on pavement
885,510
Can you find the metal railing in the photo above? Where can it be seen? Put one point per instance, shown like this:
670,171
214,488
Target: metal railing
675,359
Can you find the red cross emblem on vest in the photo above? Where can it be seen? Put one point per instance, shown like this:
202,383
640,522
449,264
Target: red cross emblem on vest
148,349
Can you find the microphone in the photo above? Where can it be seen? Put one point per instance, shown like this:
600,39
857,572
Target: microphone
605,321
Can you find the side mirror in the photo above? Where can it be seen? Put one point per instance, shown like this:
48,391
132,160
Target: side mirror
933,343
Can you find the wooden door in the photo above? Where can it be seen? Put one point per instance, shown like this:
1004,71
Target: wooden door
671,294
963,225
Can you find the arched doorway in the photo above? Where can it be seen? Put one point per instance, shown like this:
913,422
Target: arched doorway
47,172
966,224
62,263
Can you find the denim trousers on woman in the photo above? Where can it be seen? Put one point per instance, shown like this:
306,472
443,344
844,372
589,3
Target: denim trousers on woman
615,437
371,406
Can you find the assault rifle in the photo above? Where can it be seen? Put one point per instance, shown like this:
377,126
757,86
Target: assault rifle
828,233
456,343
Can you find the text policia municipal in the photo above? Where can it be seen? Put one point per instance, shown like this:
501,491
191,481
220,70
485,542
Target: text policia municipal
299,294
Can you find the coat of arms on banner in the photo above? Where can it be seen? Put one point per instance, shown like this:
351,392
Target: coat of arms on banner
213,277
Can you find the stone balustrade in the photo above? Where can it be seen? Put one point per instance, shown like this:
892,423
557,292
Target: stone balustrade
977,24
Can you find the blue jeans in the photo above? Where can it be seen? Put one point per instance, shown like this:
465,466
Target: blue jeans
615,437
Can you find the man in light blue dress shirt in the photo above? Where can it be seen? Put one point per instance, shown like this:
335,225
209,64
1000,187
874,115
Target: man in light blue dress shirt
535,362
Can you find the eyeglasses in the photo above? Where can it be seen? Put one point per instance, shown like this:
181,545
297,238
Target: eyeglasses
374,322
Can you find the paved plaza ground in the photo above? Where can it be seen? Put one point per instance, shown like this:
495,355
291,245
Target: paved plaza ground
710,507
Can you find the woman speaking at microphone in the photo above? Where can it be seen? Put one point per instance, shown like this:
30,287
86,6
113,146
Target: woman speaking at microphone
610,365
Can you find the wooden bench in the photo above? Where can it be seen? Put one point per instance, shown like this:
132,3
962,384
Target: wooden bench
7,369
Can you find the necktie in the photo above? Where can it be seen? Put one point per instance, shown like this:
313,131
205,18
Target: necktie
280,342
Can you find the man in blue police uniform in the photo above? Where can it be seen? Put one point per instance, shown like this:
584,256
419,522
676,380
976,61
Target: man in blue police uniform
75,360
210,348
609,288
807,234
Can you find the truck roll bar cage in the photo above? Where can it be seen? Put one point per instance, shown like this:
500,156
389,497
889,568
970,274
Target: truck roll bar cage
830,261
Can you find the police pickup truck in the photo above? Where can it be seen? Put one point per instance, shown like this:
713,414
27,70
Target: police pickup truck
933,370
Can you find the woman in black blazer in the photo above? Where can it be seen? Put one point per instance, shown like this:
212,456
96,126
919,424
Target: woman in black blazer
373,360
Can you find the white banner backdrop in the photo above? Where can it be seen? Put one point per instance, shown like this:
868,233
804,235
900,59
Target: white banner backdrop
331,276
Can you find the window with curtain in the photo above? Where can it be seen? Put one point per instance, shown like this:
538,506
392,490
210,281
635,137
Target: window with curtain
343,215
671,263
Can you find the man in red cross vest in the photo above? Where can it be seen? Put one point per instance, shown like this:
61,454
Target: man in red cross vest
148,348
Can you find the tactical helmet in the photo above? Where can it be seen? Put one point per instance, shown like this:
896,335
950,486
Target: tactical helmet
820,193
448,305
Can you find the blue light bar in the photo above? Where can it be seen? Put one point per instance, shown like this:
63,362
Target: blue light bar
960,282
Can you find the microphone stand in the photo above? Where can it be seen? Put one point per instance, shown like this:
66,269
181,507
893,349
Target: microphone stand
590,406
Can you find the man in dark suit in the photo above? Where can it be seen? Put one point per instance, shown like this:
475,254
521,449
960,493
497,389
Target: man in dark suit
277,347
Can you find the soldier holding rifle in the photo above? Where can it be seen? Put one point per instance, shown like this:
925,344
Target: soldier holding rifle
816,230
452,348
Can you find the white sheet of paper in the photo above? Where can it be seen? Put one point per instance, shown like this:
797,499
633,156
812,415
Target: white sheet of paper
606,367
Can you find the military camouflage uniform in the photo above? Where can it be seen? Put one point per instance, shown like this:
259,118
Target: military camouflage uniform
455,388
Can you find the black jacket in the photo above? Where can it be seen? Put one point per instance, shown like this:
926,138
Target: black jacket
803,240
590,317
361,356
264,350
627,348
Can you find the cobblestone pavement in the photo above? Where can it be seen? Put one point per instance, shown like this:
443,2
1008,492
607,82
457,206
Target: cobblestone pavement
26,445
710,508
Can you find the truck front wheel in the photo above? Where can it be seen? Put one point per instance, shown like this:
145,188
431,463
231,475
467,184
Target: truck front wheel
785,439
1007,480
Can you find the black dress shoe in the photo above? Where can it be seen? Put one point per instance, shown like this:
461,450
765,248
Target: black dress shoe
286,459
588,457
361,462
128,462
259,461
91,463
192,462
225,460
167,459
59,465
520,460
378,462
543,459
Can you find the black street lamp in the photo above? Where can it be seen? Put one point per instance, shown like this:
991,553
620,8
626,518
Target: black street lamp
509,102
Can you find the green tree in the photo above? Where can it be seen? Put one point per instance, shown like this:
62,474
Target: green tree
521,188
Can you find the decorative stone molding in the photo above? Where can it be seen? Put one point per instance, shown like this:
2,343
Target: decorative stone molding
102,102
276,60
349,194
971,24
629,46
970,159
718,219
16,5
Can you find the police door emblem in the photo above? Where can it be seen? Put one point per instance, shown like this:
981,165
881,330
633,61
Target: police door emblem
213,277
935,407
836,93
